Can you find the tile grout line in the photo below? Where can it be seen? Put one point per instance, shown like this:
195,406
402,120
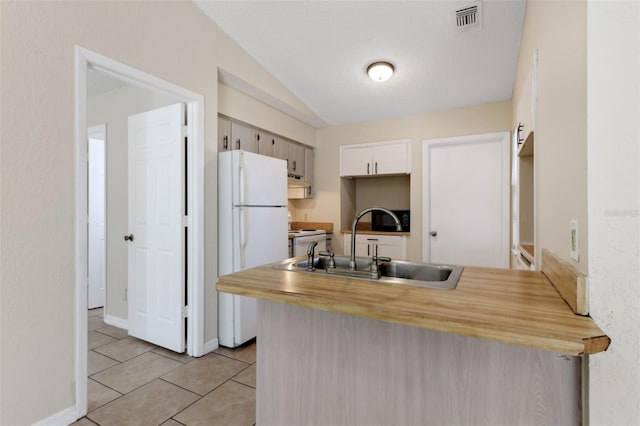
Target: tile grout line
106,356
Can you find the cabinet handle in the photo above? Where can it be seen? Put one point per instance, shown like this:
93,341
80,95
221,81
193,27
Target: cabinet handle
258,137
238,144
273,141
294,165
368,250
225,143
376,168
367,172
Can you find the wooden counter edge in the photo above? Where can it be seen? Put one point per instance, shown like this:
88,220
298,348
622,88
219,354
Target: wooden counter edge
589,345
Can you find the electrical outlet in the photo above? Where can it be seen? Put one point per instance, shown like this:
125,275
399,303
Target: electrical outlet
574,250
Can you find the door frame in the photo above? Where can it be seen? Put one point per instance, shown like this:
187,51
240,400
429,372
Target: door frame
101,130
85,59
427,145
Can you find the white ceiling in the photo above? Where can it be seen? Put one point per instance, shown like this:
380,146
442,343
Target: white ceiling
320,49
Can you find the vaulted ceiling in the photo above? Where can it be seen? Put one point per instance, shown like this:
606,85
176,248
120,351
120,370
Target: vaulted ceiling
320,50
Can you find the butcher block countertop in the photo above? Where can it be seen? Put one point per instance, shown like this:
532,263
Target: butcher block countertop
504,305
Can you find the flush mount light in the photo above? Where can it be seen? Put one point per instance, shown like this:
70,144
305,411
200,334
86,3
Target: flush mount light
380,71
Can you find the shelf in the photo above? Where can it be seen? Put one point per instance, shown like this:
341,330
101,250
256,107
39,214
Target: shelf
526,149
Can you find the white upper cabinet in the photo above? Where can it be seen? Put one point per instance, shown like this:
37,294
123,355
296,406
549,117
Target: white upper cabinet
372,159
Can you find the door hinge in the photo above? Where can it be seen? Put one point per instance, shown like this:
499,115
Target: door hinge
185,221
185,311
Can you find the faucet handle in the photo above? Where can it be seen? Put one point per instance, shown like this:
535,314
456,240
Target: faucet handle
332,261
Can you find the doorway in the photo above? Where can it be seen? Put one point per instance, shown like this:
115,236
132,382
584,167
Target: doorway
193,223
466,200
97,136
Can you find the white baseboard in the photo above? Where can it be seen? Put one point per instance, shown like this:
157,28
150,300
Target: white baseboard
211,346
116,321
64,417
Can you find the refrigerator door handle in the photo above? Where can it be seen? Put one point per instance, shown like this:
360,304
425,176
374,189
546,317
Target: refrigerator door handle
243,237
241,179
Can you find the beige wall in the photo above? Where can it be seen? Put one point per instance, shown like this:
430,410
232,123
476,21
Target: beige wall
326,205
240,106
614,208
113,109
37,170
557,29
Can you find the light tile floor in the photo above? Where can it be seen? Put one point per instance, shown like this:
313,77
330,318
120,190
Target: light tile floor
132,382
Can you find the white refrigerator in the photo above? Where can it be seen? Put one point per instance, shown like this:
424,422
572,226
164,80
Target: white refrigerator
252,231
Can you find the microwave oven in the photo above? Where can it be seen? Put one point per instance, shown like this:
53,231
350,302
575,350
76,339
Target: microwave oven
381,221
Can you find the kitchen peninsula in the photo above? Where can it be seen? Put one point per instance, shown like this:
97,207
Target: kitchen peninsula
502,348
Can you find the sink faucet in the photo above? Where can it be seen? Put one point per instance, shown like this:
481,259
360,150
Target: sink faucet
352,259
310,253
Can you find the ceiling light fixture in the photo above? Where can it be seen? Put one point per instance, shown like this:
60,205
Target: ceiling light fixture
380,71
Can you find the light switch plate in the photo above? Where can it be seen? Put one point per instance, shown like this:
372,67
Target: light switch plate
574,250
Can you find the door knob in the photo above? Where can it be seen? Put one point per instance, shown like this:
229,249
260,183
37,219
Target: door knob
434,233
128,237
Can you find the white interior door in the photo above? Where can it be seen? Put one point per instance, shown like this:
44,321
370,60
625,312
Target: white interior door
156,290
467,196
96,204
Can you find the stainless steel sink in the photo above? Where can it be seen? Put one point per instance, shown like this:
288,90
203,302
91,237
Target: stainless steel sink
417,274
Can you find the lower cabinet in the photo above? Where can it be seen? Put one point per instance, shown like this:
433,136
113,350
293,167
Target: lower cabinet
393,246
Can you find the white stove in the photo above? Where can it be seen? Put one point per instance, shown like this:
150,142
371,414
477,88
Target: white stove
306,232
302,238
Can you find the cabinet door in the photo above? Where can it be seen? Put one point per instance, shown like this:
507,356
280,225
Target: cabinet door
224,134
296,159
243,137
355,161
281,149
266,143
390,159
308,171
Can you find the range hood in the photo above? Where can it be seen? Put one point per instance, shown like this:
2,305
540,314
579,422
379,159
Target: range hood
297,182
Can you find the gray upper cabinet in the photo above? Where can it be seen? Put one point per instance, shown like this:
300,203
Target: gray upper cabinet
243,137
281,149
296,164
224,134
266,143
232,135
292,153
308,173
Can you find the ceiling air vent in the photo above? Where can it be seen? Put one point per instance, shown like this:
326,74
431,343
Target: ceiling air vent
468,16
